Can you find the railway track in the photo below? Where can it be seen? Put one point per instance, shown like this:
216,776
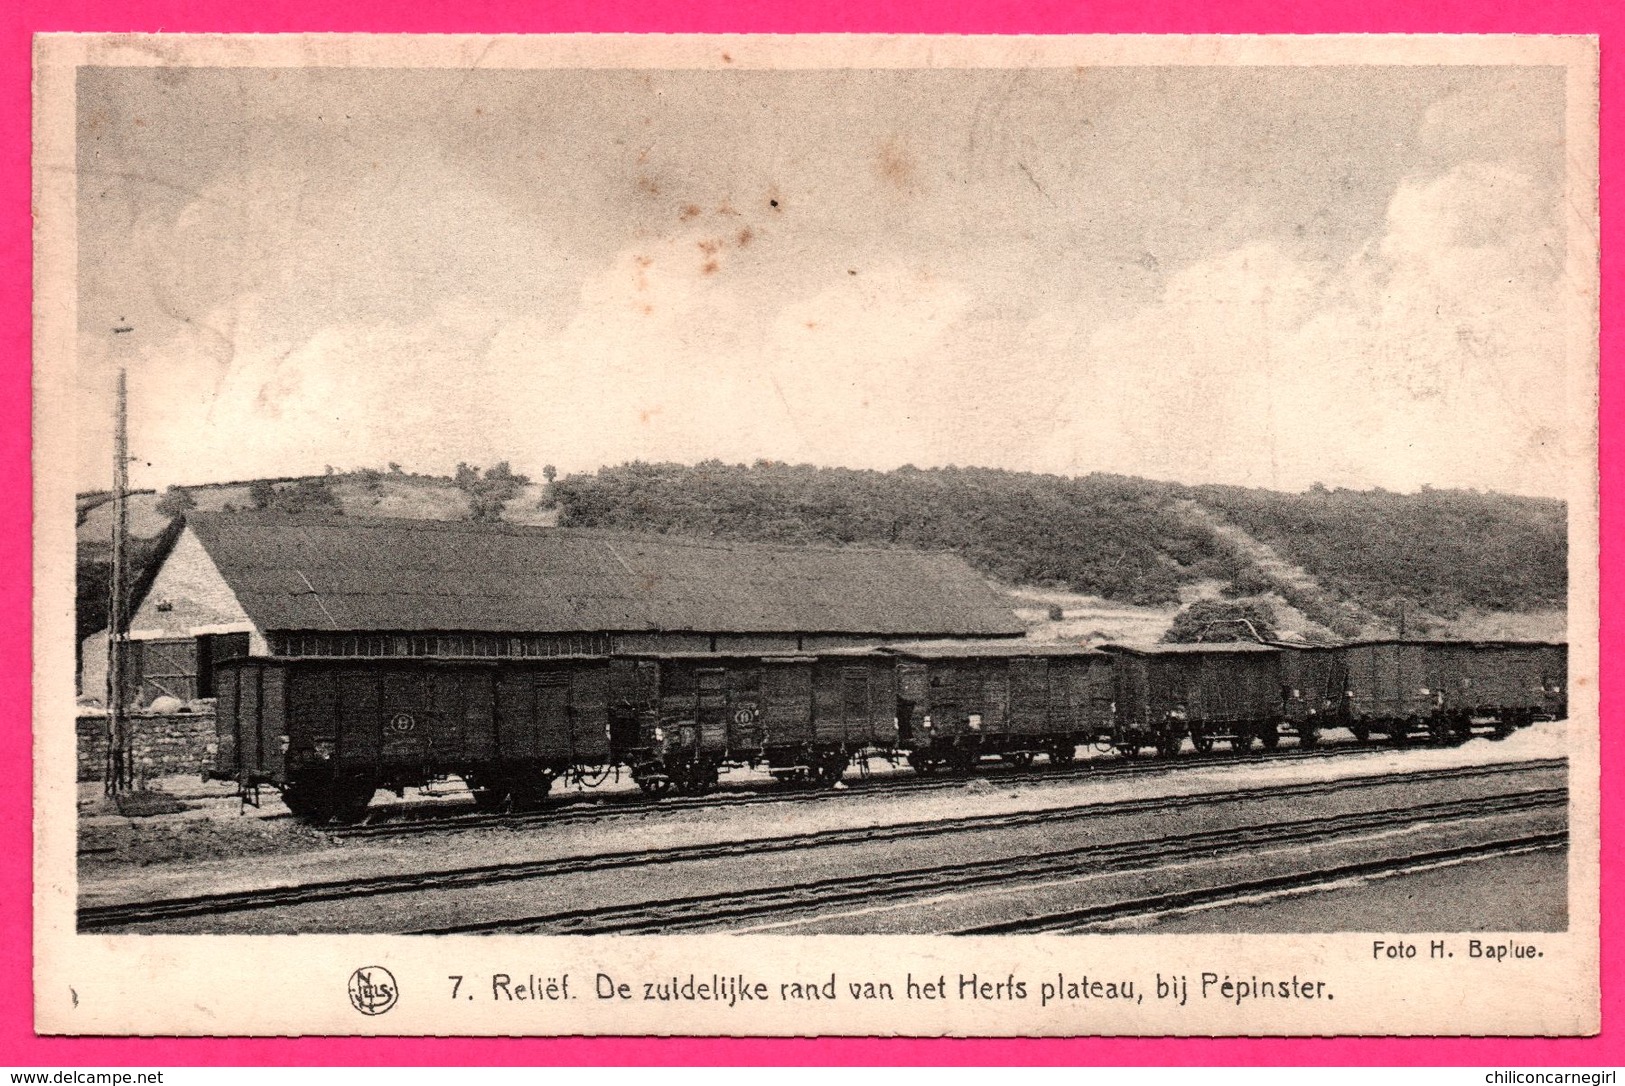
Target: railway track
1076,920
137,914
403,823
710,910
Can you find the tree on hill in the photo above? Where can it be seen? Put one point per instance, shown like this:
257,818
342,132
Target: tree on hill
1223,620
176,502
307,497
262,493
489,494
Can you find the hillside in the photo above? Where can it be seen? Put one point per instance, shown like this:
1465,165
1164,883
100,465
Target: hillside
1341,562
1097,555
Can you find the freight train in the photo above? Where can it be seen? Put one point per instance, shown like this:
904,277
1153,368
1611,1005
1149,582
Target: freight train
330,732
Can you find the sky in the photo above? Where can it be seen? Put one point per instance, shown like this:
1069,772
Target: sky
1261,276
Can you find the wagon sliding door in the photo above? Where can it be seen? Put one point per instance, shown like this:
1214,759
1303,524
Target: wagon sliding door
409,720
787,716
913,703
519,739
589,716
1030,701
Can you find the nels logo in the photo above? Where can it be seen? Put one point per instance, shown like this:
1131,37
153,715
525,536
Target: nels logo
373,989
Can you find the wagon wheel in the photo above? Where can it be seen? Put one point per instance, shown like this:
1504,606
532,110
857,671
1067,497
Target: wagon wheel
688,779
349,798
1129,750
1270,733
696,778
1202,741
1399,733
1361,731
1063,754
301,803
655,785
962,761
1503,727
527,791
828,773
320,796
923,764
1021,759
1242,742
1168,745
1309,736
485,797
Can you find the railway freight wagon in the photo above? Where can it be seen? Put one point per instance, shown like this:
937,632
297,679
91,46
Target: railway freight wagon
1313,690
331,732
802,715
958,701
1227,691
1448,689
1553,661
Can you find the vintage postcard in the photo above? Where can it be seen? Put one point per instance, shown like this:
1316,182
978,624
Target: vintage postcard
780,536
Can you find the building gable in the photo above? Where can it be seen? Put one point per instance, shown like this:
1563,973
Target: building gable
189,597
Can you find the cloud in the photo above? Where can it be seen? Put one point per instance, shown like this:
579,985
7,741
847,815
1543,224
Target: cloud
681,348
1434,356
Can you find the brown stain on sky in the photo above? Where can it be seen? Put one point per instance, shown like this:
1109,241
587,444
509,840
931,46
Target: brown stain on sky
710,248
894,164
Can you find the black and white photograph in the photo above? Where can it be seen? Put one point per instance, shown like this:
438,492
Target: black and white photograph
1031,508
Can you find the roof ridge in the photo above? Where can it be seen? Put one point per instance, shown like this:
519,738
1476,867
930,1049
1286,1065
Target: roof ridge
510,528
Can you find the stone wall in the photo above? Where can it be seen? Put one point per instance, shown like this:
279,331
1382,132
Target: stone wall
161,744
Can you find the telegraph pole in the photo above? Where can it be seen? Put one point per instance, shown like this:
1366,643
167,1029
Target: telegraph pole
117,778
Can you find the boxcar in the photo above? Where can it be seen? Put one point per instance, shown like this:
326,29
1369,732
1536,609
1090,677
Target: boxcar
1227,691
958,701
1313,686
802,715
1518,680
1553,661
331,732
1447,689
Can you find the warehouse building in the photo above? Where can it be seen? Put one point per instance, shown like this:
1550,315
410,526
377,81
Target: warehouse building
245,584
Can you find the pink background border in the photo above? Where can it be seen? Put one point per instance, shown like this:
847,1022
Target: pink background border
21,18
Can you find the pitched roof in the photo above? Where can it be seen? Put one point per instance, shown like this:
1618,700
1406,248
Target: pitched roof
955,650
1477,643
1192,647
417,575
